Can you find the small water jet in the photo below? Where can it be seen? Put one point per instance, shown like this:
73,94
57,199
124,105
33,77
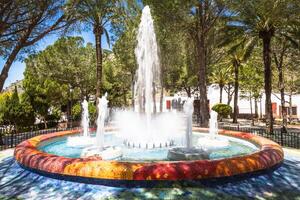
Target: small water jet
85,139
85,118
99,150
188,152
212,142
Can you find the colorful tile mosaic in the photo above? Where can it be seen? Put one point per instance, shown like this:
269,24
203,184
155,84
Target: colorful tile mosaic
269,155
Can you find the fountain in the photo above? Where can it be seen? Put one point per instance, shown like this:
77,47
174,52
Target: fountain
85,139
156,128
188,152
99,150
85,118
213,141
146,145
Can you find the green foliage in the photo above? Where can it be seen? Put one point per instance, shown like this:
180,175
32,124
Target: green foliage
16,111
76,112
223,110
3,99
92,112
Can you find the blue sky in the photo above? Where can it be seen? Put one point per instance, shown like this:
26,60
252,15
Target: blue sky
17,68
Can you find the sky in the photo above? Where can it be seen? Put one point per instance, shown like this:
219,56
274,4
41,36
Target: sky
17,69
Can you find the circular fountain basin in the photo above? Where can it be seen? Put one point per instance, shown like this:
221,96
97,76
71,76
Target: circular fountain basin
135,166
108,153
211,143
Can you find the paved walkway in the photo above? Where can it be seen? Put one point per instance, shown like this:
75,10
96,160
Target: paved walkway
283,183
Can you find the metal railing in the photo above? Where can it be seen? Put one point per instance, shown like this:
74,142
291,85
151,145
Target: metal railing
10,139
286,139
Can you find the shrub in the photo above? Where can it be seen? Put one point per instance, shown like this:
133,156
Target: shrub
223,110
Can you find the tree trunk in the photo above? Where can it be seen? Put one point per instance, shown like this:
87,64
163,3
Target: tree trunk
204,108
132,92
282,98
188,91
236,91
251,112
161,101
221,92
291,107
125,97
229,96
279,64
260,108
7,65
266,37
98,31
1,139
255,108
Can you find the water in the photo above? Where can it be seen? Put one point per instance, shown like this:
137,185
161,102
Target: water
145,126
60,147
189,109
148,72
213,123
85,121
102,109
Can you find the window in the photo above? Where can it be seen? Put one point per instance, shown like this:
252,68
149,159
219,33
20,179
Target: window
294,110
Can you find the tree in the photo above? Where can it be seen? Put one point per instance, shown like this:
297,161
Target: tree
31,22
264,19
206,15
95,14
284,46
221,75
125,32
17,112
251,88
61,73
115,82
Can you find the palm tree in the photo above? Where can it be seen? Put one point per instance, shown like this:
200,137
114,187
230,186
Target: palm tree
221,75
239,53
264,19
96,14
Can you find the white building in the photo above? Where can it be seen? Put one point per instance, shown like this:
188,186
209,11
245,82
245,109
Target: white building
244,103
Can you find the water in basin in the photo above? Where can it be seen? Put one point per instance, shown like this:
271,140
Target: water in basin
60,148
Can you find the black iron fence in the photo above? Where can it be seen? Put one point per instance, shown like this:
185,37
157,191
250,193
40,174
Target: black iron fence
10,139
286,139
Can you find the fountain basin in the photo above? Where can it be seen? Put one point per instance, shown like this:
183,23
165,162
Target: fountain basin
210,143
182,153
80,141
30,157
108,153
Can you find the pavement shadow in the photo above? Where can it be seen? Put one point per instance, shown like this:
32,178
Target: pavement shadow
281,183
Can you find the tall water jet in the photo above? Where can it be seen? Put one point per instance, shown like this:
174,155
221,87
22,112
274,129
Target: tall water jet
148,72
102,109
189,109
85,118
144,130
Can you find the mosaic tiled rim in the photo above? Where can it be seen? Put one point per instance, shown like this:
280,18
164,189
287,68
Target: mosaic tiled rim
269,155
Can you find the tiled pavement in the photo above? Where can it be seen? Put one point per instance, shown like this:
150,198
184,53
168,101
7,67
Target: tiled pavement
283,183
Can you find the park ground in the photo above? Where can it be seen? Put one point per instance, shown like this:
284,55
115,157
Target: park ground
282,183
